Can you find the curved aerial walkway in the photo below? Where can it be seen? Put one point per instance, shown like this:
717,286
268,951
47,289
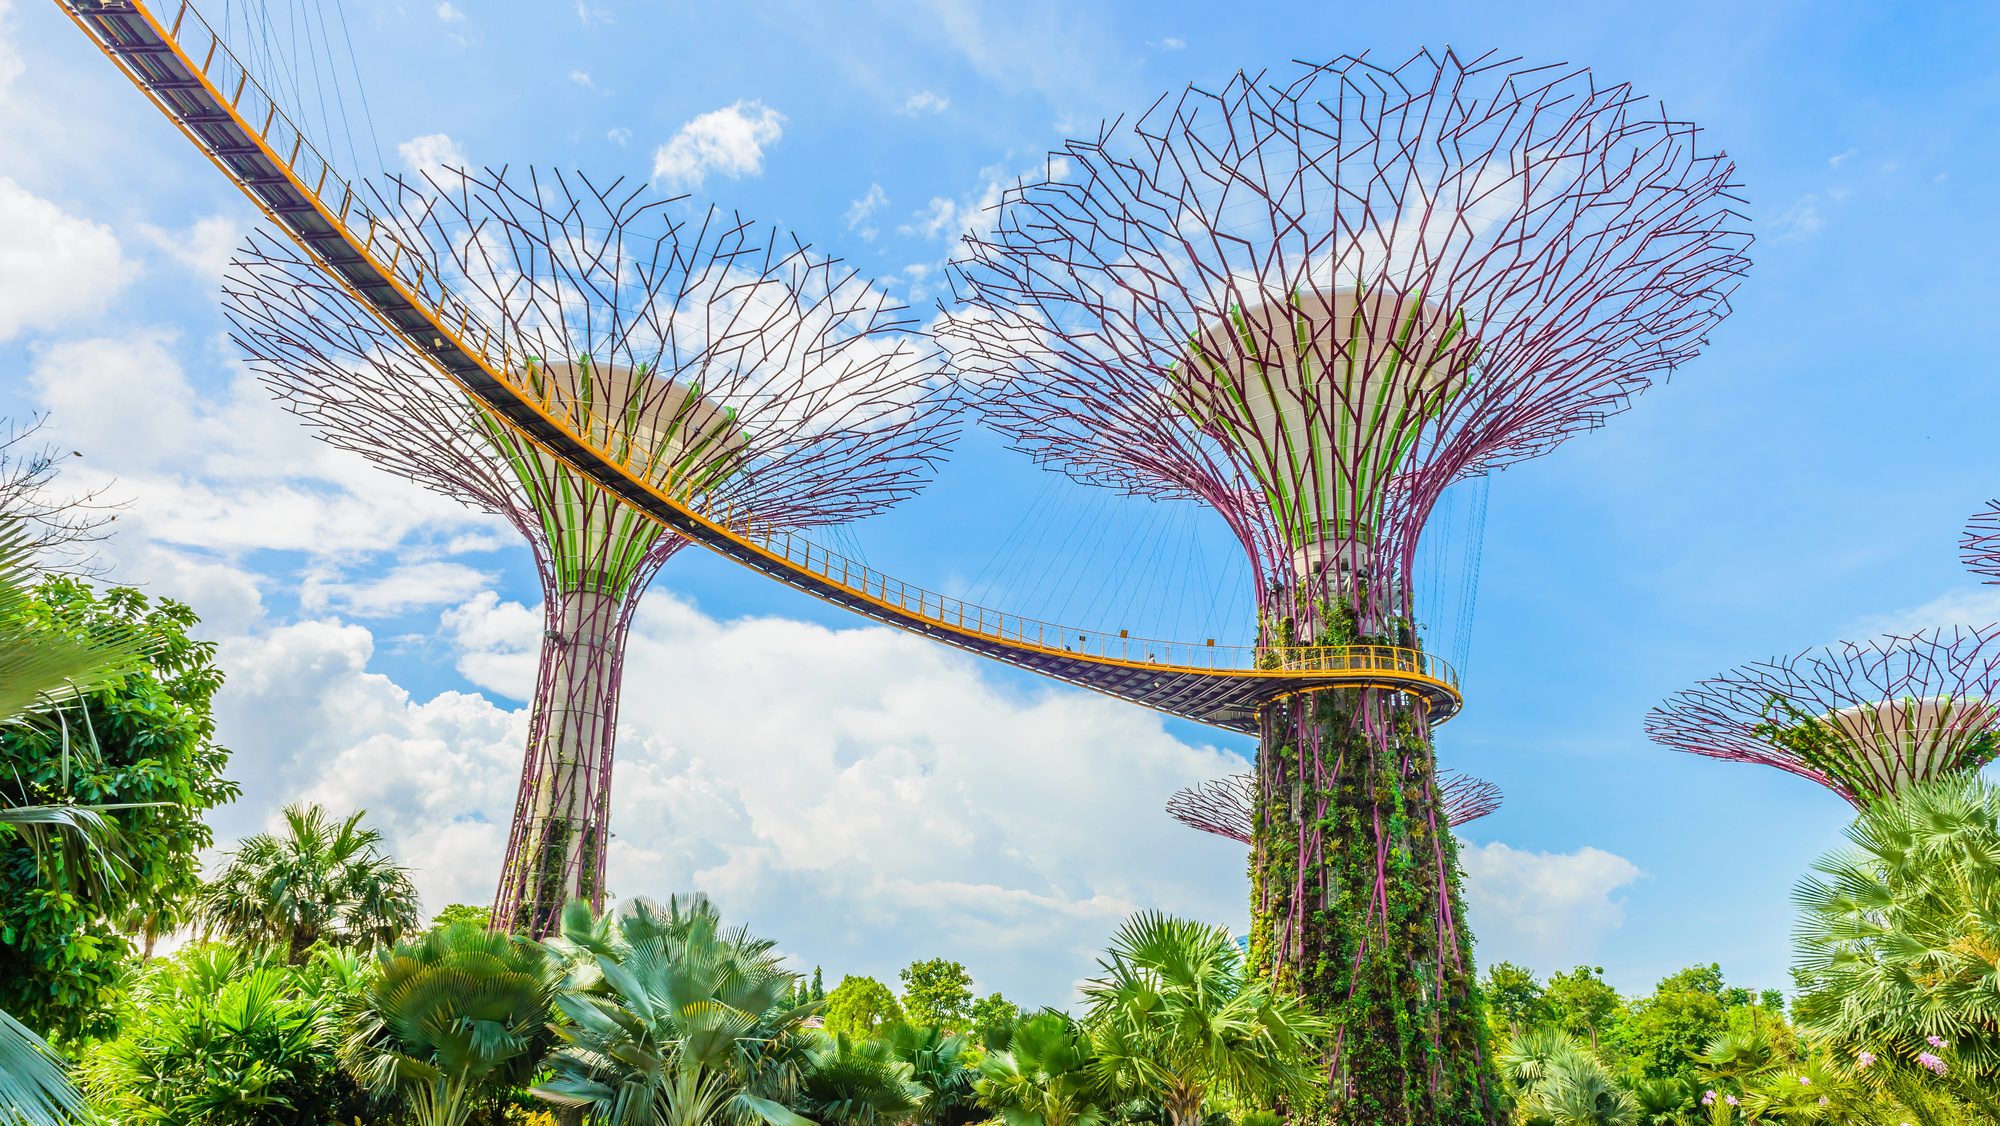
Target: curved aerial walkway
180,63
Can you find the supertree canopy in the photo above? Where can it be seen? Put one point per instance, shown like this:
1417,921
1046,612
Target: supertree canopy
1864,720
1980,546
1227,806
1311,303
742,371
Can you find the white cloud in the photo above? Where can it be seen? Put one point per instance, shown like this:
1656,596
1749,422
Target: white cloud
1549,910
1840,158
54,266
859,210
619,136
582,78
924,101
404,587
449,12
1977,606
1169,43
1802,220
730,141
203,248
889,803
431,154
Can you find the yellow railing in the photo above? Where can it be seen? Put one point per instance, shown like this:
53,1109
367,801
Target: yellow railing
333,195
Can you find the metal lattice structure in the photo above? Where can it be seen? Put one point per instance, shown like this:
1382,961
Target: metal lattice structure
1227,806
740,370
1979,547
1863,719
1310,303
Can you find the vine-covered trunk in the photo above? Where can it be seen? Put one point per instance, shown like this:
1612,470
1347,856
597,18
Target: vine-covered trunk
555,851
1356,905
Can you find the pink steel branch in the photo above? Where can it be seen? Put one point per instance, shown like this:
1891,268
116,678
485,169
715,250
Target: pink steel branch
1862,719
1980,546
813,403
1225,806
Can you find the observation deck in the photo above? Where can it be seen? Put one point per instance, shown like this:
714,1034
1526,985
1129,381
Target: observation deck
186,70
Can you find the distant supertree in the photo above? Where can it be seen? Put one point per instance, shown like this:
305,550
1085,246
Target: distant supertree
745,372
1227,806
1980,546
1864,720
1312,303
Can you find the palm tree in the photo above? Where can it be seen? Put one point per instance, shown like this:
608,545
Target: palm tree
1044,1076
855,1083
1556,1081
1899,935
939,1067
321,880
1173,1017
672,1020
458,1014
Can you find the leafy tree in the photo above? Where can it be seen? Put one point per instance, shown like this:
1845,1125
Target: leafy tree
818,986
1513,997
937,992
138,748
452,1021
322,880
456,914
1581,1004
1899,936
1661,1036
860,1006
1043,1077
672,1020
993,1017
1174,1017
856,1083
223,1038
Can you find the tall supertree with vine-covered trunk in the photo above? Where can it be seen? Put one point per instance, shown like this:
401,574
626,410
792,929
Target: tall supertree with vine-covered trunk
1864,719
1311,301
746,374
1980,545
1227,806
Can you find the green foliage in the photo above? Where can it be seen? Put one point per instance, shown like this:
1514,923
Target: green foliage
1172,1018
1581,1004
856,1083
941,1067
456,914
452,1022
672,1020
34,1085
860,1006
1660,1036
937,992
1514,999
322,880
993,1018
142,741
221,1038
1899,938
1044,1076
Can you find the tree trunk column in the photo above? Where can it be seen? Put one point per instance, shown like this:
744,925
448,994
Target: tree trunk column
555,851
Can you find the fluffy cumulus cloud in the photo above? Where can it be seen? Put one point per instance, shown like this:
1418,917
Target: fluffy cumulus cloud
729,141
431,154
867,797
1549,910
54,266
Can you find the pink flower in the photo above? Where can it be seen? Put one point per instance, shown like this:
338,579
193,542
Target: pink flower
1935,1064
1864,1059
1804,1082
1823,1100
1731,1100
1934,1041
1708,1098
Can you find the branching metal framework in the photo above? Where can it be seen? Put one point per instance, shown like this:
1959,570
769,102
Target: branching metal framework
1862,719
1227,806
1980,546
738,370
1311,303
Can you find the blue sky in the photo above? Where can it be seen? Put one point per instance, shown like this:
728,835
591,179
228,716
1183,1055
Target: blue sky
870,799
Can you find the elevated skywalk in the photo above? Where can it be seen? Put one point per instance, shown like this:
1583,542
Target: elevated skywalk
190,74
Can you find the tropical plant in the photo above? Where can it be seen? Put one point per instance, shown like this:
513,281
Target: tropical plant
1044,1076
937,991
1556,1081
1899,935
855,1083
219,1037
860,1006
1174,1016
941,1068
452,1021
672,1020
321,880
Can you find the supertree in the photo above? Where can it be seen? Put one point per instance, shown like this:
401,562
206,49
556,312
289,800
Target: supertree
1979,547
1227,806
1312,303
747,374
1863,719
